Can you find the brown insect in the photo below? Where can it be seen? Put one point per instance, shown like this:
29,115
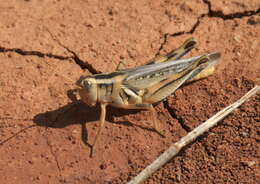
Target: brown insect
143,86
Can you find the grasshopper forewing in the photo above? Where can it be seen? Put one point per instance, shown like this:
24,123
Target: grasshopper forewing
143,86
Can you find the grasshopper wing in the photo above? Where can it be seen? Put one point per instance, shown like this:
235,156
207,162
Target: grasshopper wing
149,75
166,87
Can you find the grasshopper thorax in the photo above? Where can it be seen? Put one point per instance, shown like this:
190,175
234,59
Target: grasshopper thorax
88,90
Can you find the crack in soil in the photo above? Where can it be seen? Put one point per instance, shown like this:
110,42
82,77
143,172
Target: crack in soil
193,28
167,35
76,59
211,13
83,65
53,154
32,53
175,116
220,14
162,44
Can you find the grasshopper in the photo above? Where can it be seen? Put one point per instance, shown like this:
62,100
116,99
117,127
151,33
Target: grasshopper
143,86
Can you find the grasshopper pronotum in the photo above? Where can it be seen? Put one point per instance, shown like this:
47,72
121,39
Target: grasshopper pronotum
143,86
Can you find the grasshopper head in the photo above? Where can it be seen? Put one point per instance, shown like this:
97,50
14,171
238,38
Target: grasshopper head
88,90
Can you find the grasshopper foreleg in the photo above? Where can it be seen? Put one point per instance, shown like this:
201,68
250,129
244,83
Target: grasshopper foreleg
101,124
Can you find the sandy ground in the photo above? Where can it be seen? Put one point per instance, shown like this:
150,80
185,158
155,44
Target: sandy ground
45,45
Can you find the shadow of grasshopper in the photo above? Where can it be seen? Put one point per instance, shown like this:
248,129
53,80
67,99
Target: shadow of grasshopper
79,113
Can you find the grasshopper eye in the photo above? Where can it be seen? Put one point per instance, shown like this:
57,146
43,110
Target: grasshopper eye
87,84
88,90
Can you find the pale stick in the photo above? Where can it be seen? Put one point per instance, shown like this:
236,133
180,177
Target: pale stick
176,147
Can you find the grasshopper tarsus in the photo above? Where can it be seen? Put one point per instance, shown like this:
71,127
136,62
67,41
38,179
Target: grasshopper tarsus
161,133
92,152
121,65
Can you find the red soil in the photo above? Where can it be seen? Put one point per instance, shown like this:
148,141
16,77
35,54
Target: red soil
43,44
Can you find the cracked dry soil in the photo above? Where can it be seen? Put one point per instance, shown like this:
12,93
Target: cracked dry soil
45,45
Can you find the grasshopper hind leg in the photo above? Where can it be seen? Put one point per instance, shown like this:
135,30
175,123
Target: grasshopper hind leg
176,53
155,123
166,87
120,66
145,106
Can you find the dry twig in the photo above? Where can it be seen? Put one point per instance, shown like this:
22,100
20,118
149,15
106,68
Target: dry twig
175,148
